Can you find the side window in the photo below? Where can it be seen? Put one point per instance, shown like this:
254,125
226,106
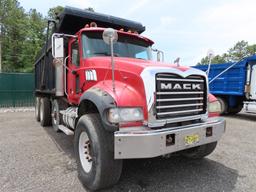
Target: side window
75,54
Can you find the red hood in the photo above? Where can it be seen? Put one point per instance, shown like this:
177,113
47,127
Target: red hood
131,64
129,86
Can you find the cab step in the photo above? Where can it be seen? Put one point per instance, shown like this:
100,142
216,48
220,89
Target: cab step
66,130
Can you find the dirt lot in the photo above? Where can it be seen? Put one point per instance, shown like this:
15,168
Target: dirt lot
33,158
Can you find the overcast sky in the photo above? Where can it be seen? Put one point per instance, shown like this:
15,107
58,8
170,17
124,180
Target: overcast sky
185,29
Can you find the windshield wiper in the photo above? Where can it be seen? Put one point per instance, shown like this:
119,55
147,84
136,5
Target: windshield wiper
106,54
102,53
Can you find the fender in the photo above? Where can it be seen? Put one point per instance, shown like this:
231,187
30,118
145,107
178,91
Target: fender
103,101
103,97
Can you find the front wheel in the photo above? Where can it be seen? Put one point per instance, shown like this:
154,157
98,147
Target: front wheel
235,110
94,151
200,151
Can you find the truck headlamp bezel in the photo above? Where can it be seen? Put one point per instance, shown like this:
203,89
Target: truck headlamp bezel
125,114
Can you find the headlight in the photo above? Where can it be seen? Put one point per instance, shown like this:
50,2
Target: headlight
214,107
117,115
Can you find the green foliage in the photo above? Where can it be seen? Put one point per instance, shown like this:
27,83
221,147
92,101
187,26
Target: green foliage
215,59
53,12
35,37
22,36
240,50
13,26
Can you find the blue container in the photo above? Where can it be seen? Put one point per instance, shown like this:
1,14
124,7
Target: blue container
229,83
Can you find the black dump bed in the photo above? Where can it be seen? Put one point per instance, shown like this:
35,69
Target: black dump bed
70,21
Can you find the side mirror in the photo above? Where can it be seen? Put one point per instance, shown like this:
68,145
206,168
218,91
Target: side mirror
160,55
109,36
210,55
57,47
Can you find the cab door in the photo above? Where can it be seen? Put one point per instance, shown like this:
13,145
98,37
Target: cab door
253,82
73,77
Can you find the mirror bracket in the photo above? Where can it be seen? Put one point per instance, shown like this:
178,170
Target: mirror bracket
110,36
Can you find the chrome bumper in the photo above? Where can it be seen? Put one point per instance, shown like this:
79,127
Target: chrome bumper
146,143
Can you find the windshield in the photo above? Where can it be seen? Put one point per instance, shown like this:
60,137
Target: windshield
126,46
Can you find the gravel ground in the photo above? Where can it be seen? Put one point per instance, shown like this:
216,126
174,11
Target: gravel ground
16,109
38,159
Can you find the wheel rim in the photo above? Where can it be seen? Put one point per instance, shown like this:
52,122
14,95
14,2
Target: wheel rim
55,114
85,152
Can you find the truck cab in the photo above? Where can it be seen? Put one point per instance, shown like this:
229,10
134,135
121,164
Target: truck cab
99,83
89,55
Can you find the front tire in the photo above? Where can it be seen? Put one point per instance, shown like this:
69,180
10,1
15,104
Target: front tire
235,110
94,151
200,151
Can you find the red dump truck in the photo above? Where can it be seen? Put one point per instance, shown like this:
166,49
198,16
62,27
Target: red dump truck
95,79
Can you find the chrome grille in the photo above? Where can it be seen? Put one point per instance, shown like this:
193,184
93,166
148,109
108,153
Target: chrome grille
179,97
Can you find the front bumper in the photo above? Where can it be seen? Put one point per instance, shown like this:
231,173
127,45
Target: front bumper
146,143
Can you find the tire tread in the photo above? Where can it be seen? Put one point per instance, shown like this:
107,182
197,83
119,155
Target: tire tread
110,168
46,120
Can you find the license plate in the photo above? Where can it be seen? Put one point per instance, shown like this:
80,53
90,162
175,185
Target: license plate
191,139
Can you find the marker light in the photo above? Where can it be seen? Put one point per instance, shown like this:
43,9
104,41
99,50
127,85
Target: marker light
93,24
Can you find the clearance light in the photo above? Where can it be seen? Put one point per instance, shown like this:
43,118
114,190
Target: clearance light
118,115
93,24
